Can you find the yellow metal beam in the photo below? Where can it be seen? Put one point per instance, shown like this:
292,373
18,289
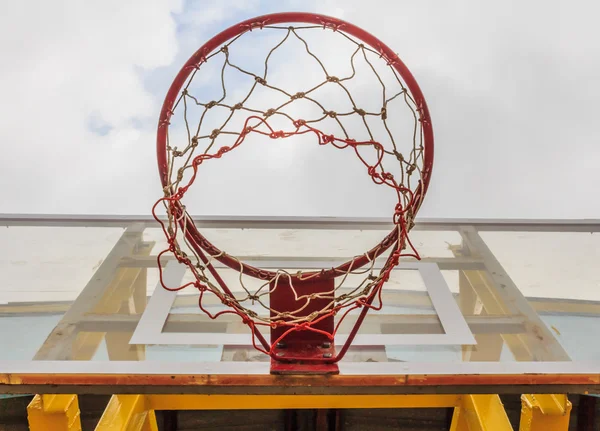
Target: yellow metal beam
549,404
545,412
478,296
127,413
54,413
480,413
538,341
136,412
258,402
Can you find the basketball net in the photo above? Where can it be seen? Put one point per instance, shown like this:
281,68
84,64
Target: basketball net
305,306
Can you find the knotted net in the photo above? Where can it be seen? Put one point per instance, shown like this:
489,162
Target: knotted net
395,154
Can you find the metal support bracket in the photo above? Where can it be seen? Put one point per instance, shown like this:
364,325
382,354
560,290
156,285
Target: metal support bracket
480,413
545,412
128,413
54,413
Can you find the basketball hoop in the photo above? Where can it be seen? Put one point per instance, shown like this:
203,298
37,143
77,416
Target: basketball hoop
302,307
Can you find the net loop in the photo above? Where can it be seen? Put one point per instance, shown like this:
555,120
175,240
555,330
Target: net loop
227,300
200,286
327,139
389,60
335,26
258,24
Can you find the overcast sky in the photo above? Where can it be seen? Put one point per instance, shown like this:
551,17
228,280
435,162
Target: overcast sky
513,88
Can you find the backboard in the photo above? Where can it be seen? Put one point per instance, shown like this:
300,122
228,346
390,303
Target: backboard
493,306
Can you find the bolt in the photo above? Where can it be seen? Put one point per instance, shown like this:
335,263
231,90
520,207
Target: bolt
327,355
326,345
281,345
279,354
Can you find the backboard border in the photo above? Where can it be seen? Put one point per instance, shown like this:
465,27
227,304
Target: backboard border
456,330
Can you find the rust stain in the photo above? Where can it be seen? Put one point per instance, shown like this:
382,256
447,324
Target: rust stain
537,333
502,379
301,381
10,379
555,330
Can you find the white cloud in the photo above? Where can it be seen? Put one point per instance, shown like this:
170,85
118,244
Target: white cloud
67,64
512,88
213,12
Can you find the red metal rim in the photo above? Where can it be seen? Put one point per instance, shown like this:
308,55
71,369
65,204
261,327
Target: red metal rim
192,233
